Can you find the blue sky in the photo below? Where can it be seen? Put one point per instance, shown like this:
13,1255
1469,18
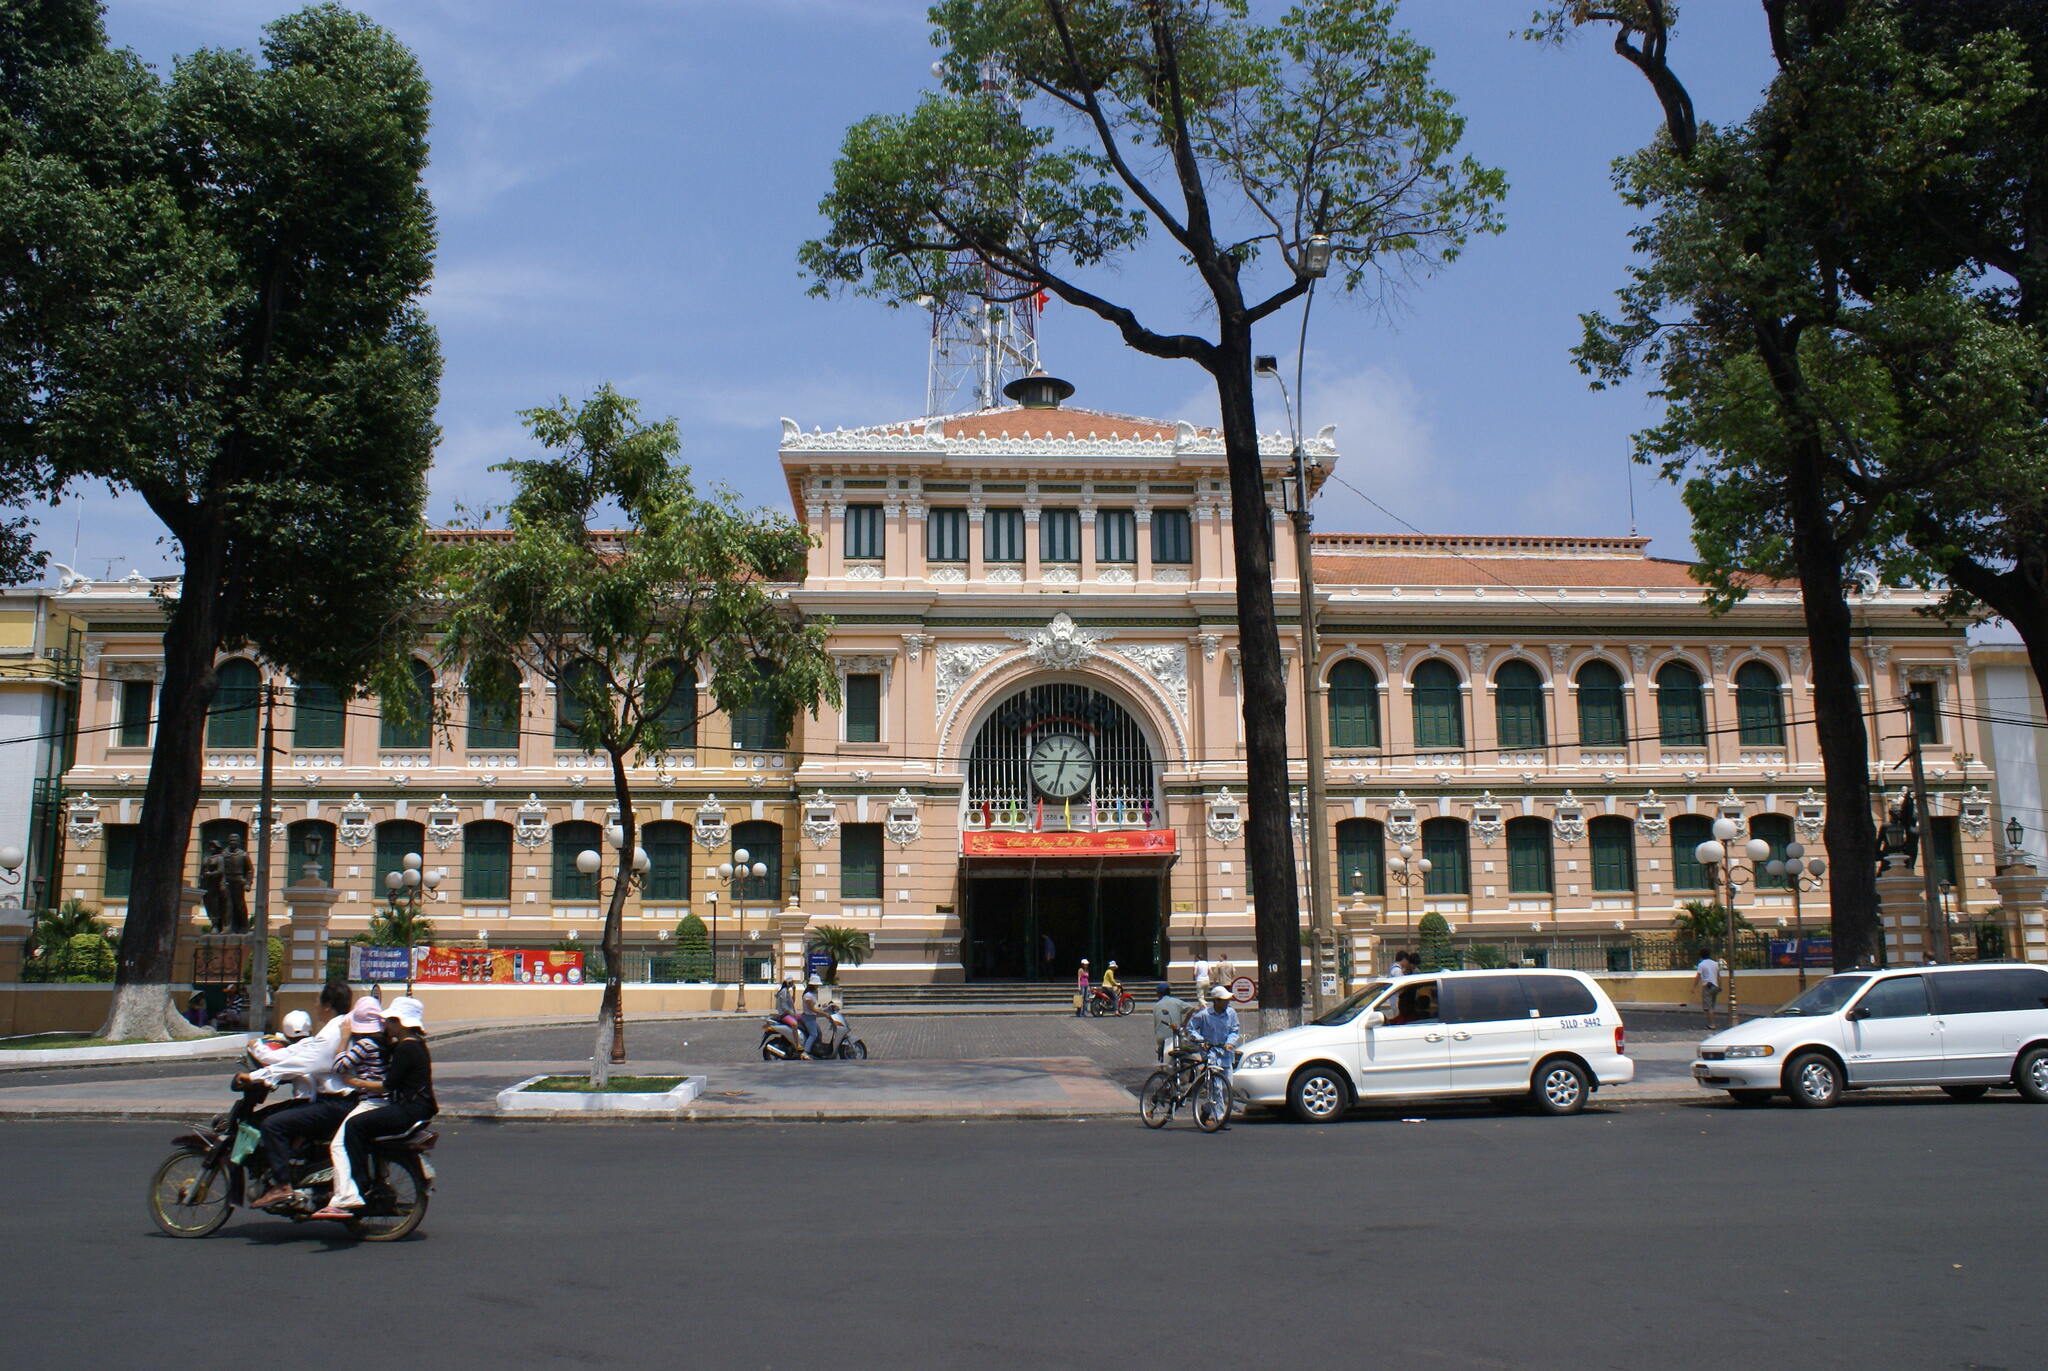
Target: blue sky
622,184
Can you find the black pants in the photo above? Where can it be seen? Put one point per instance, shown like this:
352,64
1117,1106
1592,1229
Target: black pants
316,1119
377,1123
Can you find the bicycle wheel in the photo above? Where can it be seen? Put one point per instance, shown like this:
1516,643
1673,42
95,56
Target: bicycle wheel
1210,1113
1157,1099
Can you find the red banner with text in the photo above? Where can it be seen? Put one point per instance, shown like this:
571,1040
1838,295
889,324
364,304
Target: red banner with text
1115,842
496,966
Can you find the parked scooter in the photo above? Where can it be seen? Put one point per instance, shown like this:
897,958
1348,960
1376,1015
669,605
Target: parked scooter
211,1171
782,1043
1102,1003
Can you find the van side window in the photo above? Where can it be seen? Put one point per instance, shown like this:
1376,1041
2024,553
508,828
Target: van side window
1484,999
1902,997
1557,997
2003,991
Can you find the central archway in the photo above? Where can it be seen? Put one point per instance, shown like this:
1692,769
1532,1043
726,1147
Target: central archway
1122,781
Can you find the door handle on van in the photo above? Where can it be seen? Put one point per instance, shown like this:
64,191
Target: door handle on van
1461,1036
1432,1037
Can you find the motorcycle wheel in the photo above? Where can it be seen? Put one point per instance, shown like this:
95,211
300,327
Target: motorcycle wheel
769,1054
853,1052
187,1197
395,1200
1125,1005
1155,1101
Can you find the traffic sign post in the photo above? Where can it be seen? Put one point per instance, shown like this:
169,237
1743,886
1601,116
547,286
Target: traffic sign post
1243,990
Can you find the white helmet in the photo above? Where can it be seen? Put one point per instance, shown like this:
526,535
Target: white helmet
1084,961
815,980
297,1024
1220,992
1112,964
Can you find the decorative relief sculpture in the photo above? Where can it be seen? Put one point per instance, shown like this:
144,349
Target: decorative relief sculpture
914,645
1210,642
530,823
1166,663
1650,820
901,824
1062,644
1811,815
1401,822
864,571
1570,823
821,819
1226,817
1170,575
82,825
354,830
1557,656
444,823
1115,576
1638,657
711,828
1487,825
1975,817
1006,575
957,662
948,575
1061,576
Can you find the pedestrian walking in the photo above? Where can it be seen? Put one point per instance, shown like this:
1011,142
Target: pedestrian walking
1169,1012
1706,978
1081,990
1202,979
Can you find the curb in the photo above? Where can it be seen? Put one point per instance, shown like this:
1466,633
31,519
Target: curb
126,1054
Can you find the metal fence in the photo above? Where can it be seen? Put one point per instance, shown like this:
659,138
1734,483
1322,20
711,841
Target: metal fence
1622,952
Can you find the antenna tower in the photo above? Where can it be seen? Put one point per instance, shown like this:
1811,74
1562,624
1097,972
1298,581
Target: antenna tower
979,344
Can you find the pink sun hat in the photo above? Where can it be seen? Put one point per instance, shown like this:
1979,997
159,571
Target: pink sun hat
367,1016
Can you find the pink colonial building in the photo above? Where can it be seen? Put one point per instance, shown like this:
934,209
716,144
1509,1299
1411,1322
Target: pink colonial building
1040,752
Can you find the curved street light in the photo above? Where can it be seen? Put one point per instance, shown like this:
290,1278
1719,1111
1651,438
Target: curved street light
1408,871
1717,856
1803,875
741,868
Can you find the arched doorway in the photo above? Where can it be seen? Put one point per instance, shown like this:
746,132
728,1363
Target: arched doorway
1066,850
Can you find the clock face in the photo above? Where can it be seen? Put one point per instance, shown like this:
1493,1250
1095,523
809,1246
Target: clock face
1062,766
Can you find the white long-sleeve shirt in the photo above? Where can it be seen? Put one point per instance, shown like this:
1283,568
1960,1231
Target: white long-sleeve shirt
307,1063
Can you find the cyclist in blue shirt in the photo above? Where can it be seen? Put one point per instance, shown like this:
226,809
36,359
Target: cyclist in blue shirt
1216,1027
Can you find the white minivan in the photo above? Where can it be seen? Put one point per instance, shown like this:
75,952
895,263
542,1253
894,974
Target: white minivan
1551,1037
1964,1028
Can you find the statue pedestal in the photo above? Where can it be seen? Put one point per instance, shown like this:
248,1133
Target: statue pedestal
308,910
1902,906
791,924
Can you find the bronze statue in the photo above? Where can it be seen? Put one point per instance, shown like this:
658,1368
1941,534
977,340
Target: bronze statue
235,871
212,886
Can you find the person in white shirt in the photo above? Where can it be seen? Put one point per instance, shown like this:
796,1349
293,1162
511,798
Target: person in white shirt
1707,978
309,1061
1202,979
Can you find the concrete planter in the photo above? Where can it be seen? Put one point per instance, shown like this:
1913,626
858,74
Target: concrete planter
520,1100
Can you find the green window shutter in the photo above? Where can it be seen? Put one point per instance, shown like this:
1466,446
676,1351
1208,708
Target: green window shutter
318,717
1529,867
487,860
678,714
760,727
668,860
1059,536
1759,706
763,841
232,720
1681,707
1354,705
417,729
1002,533
1614,853
1518,706
493,715
1447,845
945,535
1361,858
1944,842
1775,829
1439,706
1173,542
136,699
1116,536
860,862
577,835
1926,711
1603,714
864,708
1688,831
120,871
864,531
396,839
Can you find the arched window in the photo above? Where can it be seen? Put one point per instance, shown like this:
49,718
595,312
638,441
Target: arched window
672,697
1681,707
1361,858
1759,706
1688,831
1614,853
487,860
760,726
763,841
668,860
1448,846
1518,706
396,838
309,842
232,720
1354,705
318,718
1775,829
493,708
1439,705
575,693
1944,843
1529,865
1603,711
572,837
409,722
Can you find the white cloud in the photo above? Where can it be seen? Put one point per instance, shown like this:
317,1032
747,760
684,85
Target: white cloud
498,289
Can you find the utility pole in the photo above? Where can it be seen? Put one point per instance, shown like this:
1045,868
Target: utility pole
1322,938
1937,942
259,952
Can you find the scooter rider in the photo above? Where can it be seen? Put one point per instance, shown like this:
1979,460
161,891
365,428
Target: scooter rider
785,1005
1110,987
814,1011
311,1061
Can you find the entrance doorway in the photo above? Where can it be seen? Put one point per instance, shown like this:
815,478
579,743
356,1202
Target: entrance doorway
1037,928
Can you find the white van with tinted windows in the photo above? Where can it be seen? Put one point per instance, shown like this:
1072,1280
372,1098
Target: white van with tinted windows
1549,1037
1967,1029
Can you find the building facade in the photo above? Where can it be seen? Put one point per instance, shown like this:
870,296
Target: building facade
1040,751
40,645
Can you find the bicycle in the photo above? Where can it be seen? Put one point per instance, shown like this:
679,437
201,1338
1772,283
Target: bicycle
1191,1080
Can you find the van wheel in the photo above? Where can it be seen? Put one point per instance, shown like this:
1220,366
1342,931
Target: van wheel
1751,1096
1966,1093
1318,1094
2030,1074
1813,1080
1560,1087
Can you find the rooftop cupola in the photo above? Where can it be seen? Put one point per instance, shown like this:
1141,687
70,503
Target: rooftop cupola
1038,391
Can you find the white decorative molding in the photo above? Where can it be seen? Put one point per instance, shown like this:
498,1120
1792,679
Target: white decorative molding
405,761
947,574
1570,823
821,818
1226,817
1811,813
492,761
1730,807
1638,657
1166,663
128,669
1062,644
1881,655
914,645
444,823
1115,576
354,829
530,823
230,761
711,829
1005,575
957,662
1402,825
1210,642
864,571
1975,813
1061,576
318,761
1487,825
1170,575
1650,820
1796,654
1718,653
1557,656
1394,651
82,825
901,823
1476,654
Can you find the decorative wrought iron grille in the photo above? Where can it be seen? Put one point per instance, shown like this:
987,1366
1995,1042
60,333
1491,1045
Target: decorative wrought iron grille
1123,792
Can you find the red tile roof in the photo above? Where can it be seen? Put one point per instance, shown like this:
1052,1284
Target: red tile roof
1420,559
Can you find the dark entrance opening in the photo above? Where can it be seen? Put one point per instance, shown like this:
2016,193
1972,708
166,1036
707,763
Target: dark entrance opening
1038,927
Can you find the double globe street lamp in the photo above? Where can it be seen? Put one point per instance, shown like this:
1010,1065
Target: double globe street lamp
1802,874
1408,871
732,874
590,862
1716,856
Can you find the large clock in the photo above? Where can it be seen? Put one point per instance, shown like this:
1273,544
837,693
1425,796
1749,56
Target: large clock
1062,766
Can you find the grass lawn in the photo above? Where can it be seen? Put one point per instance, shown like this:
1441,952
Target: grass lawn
42,1042
618,1085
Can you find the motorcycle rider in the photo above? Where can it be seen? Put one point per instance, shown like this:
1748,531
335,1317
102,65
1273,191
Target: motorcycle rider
309,1063
408,1093
1216,1027
1110,988
814,1012
361,1068
785,1006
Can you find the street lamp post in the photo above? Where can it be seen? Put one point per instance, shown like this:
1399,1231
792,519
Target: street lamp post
732,875
1408,871
1733,875
590,863
1803,874
406,890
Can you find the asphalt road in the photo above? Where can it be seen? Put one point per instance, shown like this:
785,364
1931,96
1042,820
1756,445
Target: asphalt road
1876,1234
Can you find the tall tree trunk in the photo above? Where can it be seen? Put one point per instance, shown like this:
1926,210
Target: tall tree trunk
142,1006
1269,847
609,1028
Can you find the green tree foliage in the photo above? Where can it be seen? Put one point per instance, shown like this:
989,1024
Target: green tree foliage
693,949
211,301
1706,922
842,946
1068,133
54,929
399,926
613,616
1438,952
